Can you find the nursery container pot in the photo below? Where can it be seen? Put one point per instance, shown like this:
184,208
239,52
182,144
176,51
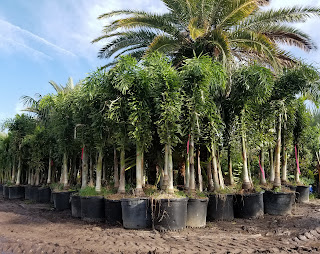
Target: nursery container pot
197,212
302,194
220,207
27,192
113,211
248,205
170,214
136,213
44,195
16,192
61,200
6,191
278,203
76,206
92,209
34,193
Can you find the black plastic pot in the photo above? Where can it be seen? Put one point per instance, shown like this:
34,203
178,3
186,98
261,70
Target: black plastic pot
34,193
1,189
220,207
136,213
27,192
92,209
302,194
16,192
278,203
113,211
75,206
248,205
170,214
6,191
291,187
44,195
61,200
197,213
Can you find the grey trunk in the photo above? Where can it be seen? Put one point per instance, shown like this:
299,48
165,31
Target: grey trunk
84,174
215,167
231,179
262,176
277,179
99,169
199,172
139,170
122,183
192,184
271,164
115,168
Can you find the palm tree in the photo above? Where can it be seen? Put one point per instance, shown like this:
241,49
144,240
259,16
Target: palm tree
301,80
224,29
252,86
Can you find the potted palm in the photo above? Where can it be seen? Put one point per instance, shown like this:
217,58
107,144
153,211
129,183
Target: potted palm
252,85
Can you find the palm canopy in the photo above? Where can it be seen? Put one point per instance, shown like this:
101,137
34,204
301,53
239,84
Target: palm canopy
225,29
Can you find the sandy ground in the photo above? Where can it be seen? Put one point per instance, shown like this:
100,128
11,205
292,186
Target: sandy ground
35,228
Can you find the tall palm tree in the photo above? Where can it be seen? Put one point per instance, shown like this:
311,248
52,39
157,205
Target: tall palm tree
224,29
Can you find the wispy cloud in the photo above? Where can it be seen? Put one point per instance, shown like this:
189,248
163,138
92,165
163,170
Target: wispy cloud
19,37
7,42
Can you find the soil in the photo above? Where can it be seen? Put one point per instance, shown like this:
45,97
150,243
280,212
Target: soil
37,228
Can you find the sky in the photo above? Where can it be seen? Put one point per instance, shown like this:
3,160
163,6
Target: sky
43,40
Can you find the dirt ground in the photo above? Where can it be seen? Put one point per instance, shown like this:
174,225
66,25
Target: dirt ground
35,228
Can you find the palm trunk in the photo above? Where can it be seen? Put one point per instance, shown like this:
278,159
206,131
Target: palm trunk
143,175
19,169
64,172
122,183
277,179
192,184
37,176
297,175
29,176
99,169
32,177
221,179
215,167
165,182
187,173
91,183
13,176
271,165
284,156
231,179
284,164
262,176
115,169
139,170
49,169
199,172
104,171
84,174
209,173
245,173
170,171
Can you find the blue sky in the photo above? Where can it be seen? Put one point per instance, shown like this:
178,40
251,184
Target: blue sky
43,40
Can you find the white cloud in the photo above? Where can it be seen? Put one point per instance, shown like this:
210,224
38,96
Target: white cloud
74,24
18,38
11,46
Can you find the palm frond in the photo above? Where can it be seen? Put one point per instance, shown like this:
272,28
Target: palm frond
283,15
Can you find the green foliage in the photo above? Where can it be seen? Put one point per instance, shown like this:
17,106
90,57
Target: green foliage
90,191
226,30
